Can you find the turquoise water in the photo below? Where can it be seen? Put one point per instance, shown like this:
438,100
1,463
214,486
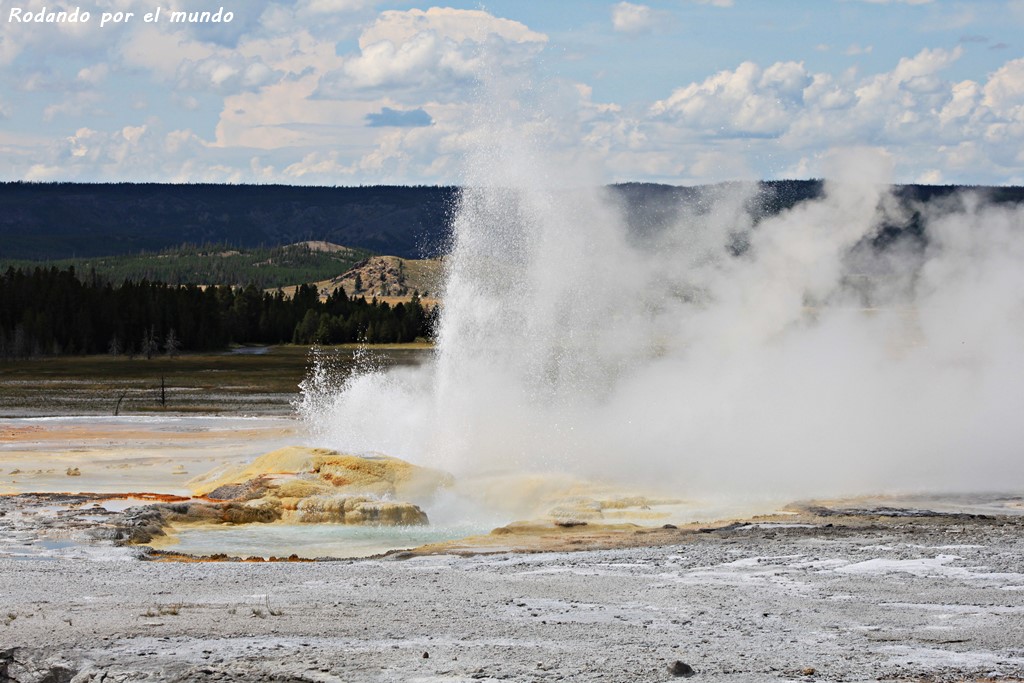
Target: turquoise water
312,540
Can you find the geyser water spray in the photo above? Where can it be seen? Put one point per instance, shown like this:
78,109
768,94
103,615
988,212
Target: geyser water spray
724,353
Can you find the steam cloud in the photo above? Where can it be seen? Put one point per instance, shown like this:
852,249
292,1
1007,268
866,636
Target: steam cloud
715,356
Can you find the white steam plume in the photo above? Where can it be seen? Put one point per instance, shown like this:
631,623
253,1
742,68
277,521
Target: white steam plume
802,362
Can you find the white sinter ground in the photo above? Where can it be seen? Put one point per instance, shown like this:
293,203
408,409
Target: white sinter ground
918,599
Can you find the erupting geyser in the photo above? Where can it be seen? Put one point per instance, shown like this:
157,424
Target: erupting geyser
727,352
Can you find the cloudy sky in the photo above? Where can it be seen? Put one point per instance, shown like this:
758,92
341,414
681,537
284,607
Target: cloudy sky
348,92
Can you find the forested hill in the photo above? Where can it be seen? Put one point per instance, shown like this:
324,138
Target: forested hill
47,221
650,207
63,220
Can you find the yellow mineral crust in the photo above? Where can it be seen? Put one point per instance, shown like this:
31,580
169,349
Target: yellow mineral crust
565,499
295,472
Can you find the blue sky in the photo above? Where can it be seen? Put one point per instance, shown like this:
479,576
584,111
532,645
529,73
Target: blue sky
347,92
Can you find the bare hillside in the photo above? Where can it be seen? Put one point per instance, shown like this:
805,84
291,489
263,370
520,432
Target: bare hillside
388,278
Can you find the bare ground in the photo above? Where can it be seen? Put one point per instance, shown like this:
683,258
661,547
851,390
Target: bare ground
827,594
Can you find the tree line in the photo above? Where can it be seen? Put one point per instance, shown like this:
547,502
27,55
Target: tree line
51,311
221,263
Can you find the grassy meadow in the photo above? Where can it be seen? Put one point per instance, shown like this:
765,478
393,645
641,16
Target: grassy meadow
252,381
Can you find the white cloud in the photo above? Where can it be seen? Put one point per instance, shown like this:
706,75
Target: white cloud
714,165
328,20
855,49
397,156
161,52
335,6
456,25
95,74
288,103
73,105
284,115
747,101
963,102
318,165
439,50
315,98
1004,92
196,65
141,151
927,121
225,72
144,153
630,18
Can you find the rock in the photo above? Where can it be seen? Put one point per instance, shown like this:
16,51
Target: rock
261,511
807,671
134,525
315,496
254,488
19,665
258,511
678,668
91,675
426,655
139,525
386,513
358,510
305,485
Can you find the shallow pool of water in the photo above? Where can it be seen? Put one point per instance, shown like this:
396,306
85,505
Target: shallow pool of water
311,540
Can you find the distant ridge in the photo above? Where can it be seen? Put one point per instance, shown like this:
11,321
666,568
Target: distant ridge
63,220
47,221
